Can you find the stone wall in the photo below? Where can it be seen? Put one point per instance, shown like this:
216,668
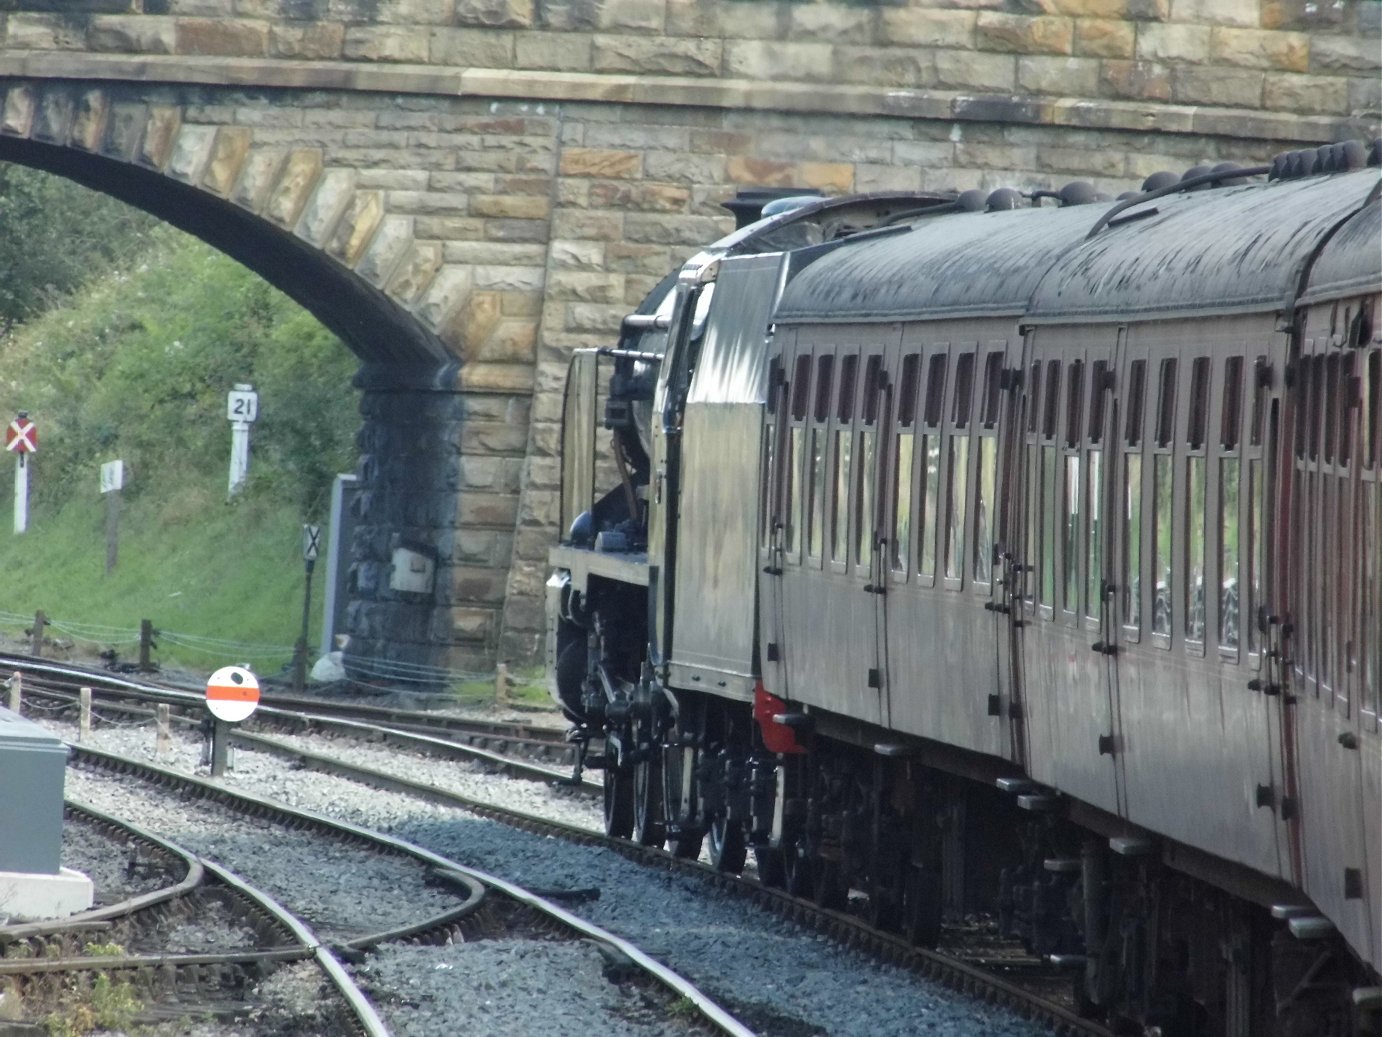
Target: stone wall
504,179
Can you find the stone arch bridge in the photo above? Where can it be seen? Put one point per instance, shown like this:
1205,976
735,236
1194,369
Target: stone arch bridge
464,190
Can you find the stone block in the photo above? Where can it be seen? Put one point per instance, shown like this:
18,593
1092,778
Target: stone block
494,14
191,153
1104,38
228,154
390,242
471,48
53,119
639,259
1107,9
631,15
472,583
296,181
680,167
18,115
587,226
357,227
312,41
132,34
1322,95
415,271
208,37
519,207
1074,77
90,111
124,128
1356,55
1014,34
656,55
486,251
585,286
1081,163
473,624
962,70
504,378
592,162
897,68
555,52
569,254
643,197
886,178
775,60
1173,43
1364,95
1137,80
25,31
373,44
160,132
1244,13
1254,48
509,278
831,23
258,174
1217,86
927,27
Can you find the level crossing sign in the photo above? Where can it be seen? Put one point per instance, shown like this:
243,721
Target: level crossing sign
232,694
22,436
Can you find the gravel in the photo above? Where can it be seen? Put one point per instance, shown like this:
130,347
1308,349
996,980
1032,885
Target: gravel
784,981
107,859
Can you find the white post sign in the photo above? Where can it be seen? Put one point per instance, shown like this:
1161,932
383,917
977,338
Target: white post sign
21,439
242,408
112,482
112,476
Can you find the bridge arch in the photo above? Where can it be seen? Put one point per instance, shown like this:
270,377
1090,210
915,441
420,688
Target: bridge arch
464,190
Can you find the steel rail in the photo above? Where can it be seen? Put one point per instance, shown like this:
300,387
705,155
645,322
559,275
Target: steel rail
713,1013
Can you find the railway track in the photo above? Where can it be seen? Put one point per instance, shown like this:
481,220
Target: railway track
995,975
54,967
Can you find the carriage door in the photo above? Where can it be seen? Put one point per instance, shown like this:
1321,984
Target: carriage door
1068,648
788,375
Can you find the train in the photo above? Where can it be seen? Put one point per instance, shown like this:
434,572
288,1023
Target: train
1013,556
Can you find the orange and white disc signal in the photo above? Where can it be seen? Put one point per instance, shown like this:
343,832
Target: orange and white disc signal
232,693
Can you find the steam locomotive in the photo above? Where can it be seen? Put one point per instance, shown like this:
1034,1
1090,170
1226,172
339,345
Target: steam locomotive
1011,554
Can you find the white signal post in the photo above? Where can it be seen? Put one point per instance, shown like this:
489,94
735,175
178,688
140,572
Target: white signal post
232,693
21,439
242,408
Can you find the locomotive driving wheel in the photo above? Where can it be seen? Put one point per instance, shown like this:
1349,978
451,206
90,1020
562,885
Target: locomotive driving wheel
649,810
683,830
728,851
619,792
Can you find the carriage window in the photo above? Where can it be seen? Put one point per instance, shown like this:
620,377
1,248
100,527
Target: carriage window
907,390
1345,396
1315,412
825,369
1336,403
844,415
1094,560
902,501
983,518
959,465
1259,379
1371,625
1074,400
993,389
1230,488
1050,409
935,389
1161,544
1372,408
867,474
1166,404
930,449
1132,542
801,381
1137,387
766,500
815,520
1195,515
1073,518
1098,383
1257,549
1194,570
964,390
902,458
1033,397
1233,403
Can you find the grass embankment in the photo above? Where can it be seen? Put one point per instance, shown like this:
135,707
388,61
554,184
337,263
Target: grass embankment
136,366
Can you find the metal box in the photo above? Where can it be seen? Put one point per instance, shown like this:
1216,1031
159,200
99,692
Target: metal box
413,568
32,767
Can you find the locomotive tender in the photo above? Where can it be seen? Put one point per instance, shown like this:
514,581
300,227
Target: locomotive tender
964,553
